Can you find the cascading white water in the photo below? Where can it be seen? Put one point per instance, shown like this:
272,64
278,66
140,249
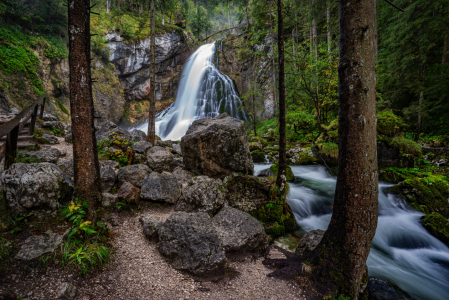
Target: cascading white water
203,92
403,252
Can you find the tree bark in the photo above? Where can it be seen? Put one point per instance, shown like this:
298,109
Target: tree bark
152,113
342,253
85,156
329,34
281,177
446,45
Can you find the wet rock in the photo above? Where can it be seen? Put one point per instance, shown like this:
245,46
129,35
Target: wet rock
202,194
51,139
382,290
246,193
108,200
239,231
137,135
39,188
68,134
438,226
50,155
142,147
53,124
37,245
192,244
161,159
309,241
66,166
133,174
150,224
129,193
217,147
161,187
66,291
109,163
108,179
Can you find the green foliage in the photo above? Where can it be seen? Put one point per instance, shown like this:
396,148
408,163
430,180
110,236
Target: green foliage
273,218
76,213
389,124
330,149
84,256
20,158
406,147
62,107
56,131
5,252
115,155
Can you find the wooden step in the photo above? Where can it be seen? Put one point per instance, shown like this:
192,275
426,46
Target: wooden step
22,145
21,137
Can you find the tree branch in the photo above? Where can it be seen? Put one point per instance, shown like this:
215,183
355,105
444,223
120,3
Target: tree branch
392,4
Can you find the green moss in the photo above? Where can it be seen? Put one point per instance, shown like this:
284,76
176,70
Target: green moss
62,107
305,159
406,147
438,226
389,124
254,146
428,195
290,175
275,221
258,156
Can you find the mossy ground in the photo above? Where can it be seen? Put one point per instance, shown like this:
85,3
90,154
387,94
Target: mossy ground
438,226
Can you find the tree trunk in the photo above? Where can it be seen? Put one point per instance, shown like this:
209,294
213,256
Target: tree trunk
446,46
107,6
274,64
422,77
85,156
376,32
281,178
329,34
342,253
152,114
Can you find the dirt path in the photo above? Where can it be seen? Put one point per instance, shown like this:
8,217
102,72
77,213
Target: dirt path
139,271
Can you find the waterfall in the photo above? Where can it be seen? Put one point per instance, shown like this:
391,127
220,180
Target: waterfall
203,92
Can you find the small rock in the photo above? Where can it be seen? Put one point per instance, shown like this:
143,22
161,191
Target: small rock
108,178
161,187
50,155
161,159
150,225
37,245
142,147
52,140
108,200
53,124
49,117
129,193
133,174
309,241
66,291
109,163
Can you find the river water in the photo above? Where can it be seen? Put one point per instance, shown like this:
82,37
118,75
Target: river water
403,252
203,92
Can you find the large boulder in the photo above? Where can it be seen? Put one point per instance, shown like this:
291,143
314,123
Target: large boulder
192,244
134,174
160,158
309,241
137,135
202,194
248,192
66,165
142,147
50,155
53,124
51,139
239,231
39,188
161,187
129,193
108,179
217,147
184,177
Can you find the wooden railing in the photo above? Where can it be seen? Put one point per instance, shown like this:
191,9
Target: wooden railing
13,128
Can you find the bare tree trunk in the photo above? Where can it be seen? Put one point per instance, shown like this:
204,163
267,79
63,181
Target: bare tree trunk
85,156
376,32
107,6
422,77
152,114
274,64
446,47
342,253
282,170
329,34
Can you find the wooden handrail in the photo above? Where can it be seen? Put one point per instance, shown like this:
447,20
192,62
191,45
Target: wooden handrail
13,127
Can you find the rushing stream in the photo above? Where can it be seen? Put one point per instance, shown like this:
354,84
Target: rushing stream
403,252
202,92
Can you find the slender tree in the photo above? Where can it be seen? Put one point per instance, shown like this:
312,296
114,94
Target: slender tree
281,178
85,156
152,114
346,244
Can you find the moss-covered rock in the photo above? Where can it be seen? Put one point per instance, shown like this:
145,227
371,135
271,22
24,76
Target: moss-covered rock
290,176
389,124
428,195
438,226
301,158
275,219
258,156
253,146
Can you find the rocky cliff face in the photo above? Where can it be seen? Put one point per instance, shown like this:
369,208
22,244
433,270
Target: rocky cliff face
244,67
